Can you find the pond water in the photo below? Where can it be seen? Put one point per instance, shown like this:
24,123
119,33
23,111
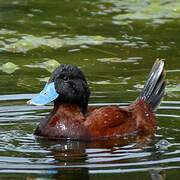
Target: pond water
115,46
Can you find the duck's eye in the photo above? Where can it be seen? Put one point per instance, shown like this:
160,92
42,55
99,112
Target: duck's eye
65,78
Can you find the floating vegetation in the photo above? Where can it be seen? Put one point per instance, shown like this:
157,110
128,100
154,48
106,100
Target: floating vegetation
49,65
9,67
25,44
6,31
157,12
30,42
2,43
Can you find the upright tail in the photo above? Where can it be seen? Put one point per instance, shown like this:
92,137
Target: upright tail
154,88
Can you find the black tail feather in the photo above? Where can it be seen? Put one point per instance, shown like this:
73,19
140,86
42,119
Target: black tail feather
154,88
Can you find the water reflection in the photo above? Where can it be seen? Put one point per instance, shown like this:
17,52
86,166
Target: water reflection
157,174
74,159
21,152
68,157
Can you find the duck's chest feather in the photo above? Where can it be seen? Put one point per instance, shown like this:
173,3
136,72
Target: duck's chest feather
67,121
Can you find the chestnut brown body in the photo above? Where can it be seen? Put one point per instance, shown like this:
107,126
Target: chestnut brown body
67,121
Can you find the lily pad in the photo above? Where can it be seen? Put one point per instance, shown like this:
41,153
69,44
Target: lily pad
9,67
49,65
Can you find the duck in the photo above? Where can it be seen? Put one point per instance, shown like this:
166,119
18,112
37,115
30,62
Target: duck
72,117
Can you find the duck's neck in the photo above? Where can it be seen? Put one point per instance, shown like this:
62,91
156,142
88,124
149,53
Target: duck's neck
66,108
78,106
70,112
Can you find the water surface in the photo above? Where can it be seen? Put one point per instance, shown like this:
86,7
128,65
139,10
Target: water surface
116,54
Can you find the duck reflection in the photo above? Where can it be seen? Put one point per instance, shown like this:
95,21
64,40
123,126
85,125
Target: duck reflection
68,156
72,158
157,174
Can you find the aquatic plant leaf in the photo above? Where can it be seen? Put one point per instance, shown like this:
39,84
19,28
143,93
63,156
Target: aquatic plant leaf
25,44
158,12
9,67
50,65
6,31
30,42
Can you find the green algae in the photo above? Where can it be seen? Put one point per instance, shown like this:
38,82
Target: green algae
9,67
154,11
49,64
30,42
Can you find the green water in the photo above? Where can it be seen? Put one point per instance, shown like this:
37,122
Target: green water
115,44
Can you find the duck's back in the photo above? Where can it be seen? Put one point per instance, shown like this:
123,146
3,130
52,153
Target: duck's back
113,121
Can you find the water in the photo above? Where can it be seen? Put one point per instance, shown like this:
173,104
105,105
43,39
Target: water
116,58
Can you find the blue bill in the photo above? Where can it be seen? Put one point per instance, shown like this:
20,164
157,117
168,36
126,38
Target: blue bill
47,95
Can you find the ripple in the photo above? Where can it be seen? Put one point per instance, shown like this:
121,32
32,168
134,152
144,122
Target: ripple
22,152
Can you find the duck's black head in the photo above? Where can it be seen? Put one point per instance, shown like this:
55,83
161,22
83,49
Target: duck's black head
67,84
